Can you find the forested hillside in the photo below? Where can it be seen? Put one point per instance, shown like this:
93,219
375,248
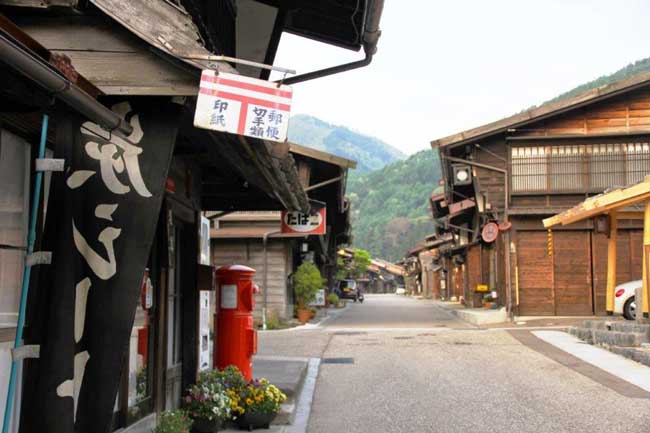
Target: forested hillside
390,210
369,152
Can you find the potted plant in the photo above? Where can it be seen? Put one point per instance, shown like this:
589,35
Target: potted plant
256,404
488,301
208,404
175,421
333,300
306,283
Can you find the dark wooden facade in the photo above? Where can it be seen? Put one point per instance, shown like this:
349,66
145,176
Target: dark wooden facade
554,157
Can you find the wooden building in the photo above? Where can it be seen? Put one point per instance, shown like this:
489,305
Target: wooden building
381,275
238,238
255,239
516,171
118,71
607,209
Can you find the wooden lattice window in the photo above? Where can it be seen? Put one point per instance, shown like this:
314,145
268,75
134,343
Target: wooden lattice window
578,168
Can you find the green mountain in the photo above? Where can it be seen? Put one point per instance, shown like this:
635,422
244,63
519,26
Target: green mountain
369,152
390,209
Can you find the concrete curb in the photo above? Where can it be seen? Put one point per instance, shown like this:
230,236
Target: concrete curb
305,399
475,316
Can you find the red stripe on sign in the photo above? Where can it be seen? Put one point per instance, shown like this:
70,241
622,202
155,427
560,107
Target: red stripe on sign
248,86
243,112
255,88
246,99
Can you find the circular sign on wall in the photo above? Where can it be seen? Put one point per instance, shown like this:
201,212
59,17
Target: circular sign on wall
298,222
490,232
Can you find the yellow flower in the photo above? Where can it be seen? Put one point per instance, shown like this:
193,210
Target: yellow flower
249,401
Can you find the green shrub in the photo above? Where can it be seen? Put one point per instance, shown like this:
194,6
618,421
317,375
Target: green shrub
333,299
175,421
306,283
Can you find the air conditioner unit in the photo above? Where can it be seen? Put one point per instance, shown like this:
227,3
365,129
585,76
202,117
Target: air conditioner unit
462,174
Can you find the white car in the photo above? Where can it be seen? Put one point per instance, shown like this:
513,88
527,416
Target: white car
400,290
624,299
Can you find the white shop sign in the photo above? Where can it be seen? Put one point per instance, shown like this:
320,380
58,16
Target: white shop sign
243,105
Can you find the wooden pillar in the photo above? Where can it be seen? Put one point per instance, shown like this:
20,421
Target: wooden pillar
644,305
611,263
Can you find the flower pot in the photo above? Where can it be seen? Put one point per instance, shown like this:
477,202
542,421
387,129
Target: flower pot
304,315
254,420
487,305
203,425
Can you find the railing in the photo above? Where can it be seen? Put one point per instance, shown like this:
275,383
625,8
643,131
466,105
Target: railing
578,168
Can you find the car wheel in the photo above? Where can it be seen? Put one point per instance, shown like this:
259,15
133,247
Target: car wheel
629,309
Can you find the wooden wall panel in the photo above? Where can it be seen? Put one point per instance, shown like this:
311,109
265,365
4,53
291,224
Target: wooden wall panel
250,253
474,274
636,254
457,281
535,274
572,268
436,285
624,114
474,266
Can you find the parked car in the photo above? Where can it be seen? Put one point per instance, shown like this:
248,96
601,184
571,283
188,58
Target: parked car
349,289
400,290
624,302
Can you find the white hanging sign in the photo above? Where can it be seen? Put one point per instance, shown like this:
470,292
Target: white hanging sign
243,105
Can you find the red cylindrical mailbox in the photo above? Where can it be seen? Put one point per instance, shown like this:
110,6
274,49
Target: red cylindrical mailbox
236,338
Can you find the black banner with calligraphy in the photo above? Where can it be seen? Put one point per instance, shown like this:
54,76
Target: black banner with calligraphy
101,220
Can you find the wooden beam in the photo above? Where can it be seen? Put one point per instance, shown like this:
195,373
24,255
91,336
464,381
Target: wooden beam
611,263
304,173
643,305
603,203
321,156
628,215
460,206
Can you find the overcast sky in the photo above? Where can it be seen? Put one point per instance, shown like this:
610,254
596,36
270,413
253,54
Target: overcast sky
446,66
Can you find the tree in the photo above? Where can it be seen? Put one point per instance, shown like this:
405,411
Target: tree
360,262
341,269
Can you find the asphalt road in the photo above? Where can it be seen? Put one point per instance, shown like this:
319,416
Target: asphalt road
416,368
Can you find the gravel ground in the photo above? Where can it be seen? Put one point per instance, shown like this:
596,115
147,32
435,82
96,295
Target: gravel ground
418,369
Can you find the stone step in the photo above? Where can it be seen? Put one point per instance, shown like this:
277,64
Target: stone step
609,337
639,355
596,324
585,334
630,327
622,339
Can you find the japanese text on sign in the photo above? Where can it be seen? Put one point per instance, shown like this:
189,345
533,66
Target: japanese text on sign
304,223
243,105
